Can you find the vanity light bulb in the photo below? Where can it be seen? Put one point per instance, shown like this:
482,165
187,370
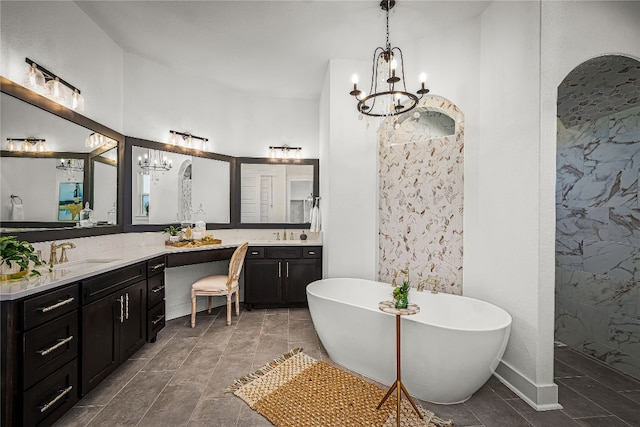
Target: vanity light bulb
172,138
40,146
77,100
10,145
26,147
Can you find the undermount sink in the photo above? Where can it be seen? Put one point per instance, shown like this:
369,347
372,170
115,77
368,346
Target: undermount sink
83,263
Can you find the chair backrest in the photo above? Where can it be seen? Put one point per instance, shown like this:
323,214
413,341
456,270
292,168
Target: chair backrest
235,265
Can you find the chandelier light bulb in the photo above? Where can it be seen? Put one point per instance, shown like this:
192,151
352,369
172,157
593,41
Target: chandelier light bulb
423,77
394,65
354,79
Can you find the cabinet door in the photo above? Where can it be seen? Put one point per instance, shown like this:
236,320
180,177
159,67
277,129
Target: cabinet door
133,326
299,273
262,281
100,344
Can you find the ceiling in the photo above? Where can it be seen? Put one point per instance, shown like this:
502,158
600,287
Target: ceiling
268,48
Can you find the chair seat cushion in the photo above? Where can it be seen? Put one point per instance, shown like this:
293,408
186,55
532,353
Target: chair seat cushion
211,284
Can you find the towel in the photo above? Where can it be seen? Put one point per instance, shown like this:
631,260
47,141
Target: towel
315,220
17,212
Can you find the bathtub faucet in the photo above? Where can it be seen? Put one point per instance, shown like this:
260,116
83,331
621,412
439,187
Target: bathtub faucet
405,271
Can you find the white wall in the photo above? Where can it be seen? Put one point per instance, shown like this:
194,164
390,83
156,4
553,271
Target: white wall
348,171
61,38
159,99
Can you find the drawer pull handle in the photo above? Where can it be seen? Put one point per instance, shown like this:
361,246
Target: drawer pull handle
59,304
157,289
121,300
127,306
56,346
279,268
49,404
287,268
157,266
158,320
255,253
312,252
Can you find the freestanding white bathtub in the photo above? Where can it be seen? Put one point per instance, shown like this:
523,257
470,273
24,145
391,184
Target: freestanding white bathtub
449,349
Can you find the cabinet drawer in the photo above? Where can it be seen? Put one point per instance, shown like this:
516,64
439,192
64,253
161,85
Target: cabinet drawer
155,266
155,320
104,284
45,402
312,252
255,252
43,308
155,290
196,257
49,346
283,252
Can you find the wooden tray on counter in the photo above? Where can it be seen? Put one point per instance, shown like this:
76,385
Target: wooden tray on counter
192,243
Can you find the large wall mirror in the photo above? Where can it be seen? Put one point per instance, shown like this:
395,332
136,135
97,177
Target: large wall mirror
275,193
174,185
43,191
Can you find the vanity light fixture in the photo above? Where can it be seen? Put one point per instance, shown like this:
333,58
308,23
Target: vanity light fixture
28,145
187,139
153,161
43,81
285,152
71,165
96,140
391,98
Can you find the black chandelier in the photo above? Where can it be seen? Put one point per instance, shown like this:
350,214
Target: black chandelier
392,97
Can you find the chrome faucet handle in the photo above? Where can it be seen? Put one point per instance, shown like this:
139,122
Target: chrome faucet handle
421,285
53,255
291,236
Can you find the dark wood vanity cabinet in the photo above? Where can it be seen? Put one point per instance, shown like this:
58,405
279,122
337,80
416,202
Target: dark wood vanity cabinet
277,276
113,321
155,297
40,343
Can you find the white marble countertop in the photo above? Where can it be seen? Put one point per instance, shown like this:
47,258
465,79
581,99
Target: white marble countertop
108,260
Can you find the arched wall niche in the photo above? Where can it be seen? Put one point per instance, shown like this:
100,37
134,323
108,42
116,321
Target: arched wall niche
420,197
598,211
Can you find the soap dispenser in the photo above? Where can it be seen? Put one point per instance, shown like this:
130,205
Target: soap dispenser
112,215
86,216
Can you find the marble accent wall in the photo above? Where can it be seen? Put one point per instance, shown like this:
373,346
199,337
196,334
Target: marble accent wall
421,195
598,238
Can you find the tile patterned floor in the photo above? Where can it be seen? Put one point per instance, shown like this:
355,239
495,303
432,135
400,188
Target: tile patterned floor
180,380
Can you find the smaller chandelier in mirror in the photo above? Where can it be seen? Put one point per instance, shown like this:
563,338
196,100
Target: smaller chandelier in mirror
154,161
71,165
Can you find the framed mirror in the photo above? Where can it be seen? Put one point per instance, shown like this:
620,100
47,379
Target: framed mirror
274,193
44,189
172,184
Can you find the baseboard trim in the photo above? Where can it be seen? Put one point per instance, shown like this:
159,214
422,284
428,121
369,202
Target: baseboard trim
541,397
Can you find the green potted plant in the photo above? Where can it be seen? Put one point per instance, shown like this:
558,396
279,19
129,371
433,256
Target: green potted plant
401,295
15,258
174,233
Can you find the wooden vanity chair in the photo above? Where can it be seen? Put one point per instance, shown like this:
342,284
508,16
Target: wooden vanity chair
220,285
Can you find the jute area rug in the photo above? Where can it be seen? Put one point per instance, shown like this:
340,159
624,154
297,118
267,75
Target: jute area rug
296,390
